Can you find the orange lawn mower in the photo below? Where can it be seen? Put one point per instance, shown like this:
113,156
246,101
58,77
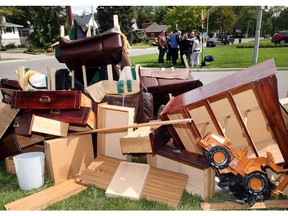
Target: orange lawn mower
247,177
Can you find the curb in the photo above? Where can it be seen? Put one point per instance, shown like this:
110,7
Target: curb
228,69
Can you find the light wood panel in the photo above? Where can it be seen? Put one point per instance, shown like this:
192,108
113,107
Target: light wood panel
67,157
128,180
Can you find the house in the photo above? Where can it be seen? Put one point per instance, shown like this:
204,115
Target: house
153,29
10,33
83,22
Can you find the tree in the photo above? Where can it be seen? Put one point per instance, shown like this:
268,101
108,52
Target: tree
46,22
281,20
125,16
187,18
222,18
246,19
144,14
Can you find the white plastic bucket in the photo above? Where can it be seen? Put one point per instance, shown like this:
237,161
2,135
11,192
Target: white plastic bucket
30,170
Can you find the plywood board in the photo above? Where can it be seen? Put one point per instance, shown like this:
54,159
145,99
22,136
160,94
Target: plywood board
100,172
164,186
7,115
49,126
109,116
137,142
67,157
128,180
47,197
200,181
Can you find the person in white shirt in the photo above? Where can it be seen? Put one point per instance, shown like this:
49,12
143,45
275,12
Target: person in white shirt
196,49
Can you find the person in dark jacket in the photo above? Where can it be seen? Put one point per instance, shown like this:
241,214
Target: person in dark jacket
175,40
185,47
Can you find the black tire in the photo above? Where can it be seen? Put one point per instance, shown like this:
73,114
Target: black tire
282,41
219,157
257,183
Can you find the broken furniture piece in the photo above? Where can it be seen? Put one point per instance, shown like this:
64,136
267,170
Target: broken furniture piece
243,107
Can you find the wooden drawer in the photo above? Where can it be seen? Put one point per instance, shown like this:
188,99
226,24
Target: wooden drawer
46,100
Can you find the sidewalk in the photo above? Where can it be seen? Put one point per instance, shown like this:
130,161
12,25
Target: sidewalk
19,54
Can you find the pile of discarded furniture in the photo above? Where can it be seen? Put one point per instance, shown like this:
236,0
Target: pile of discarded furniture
90,130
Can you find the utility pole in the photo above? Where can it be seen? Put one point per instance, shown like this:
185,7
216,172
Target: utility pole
257,34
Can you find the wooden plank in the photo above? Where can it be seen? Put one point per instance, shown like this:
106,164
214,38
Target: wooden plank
7,115
279,204
164,186
25,141
100,172
201,181
128,180
47,197
67,157
49,126
137,142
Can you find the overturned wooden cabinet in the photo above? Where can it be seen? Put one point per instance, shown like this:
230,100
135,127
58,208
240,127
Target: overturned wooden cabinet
243,107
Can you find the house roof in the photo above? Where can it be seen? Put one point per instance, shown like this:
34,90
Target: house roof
11,24
84,20
154,27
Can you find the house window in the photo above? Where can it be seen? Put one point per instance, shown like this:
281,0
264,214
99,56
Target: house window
9,30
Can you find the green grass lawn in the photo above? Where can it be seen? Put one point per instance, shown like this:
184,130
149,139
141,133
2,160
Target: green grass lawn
228,56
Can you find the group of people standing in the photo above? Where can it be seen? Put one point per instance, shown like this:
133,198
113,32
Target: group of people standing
171,43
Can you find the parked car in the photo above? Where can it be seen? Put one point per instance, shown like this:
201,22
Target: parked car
266,36
212,42
280,37
227,39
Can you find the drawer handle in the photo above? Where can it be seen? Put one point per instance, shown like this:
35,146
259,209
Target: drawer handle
55,111
44,99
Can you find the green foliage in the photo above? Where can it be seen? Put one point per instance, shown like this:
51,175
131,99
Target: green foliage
125,15
222,18
187,18
246,19
46,22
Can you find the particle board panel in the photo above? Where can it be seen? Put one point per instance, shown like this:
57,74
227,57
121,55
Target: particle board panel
49,126
128,180
47,197
200,181
137,142
67,157
100,172
7,115
164,186
109,116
